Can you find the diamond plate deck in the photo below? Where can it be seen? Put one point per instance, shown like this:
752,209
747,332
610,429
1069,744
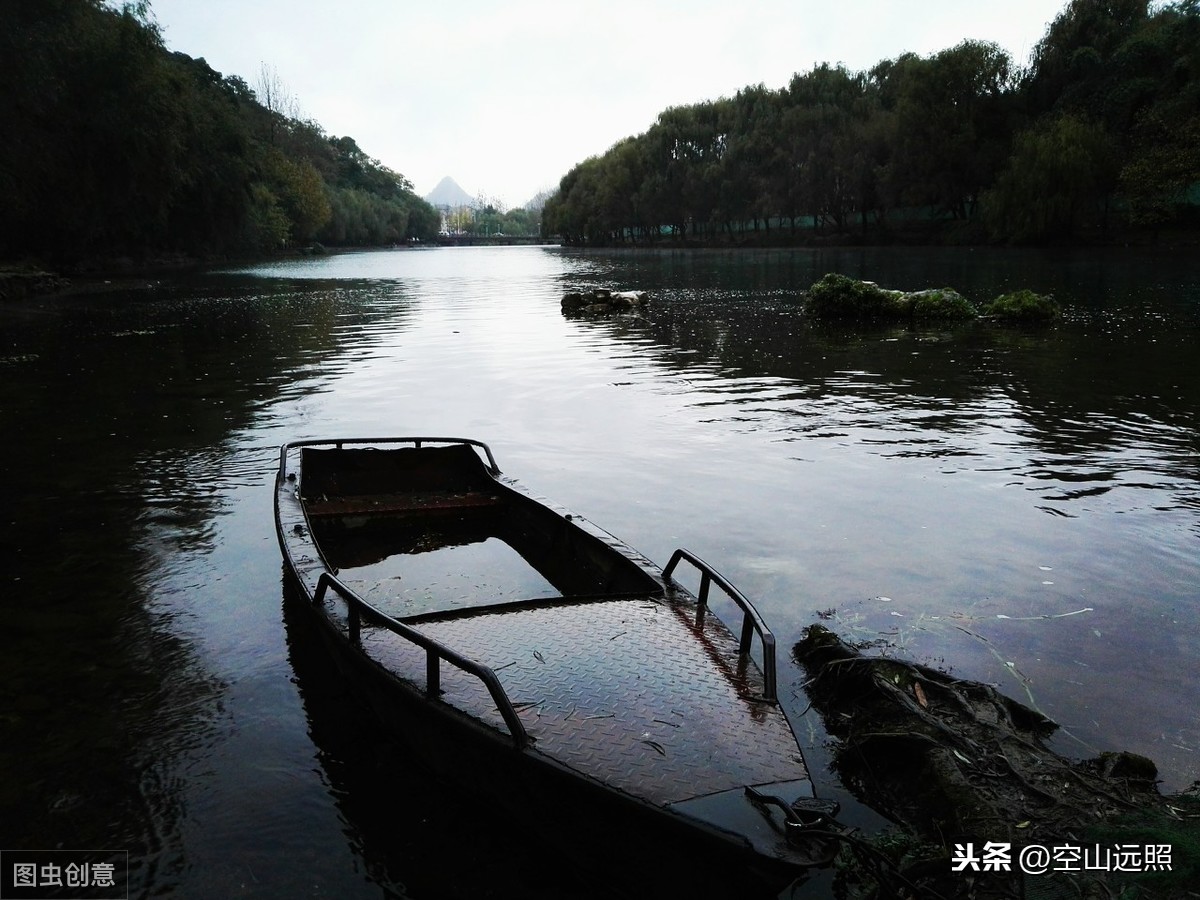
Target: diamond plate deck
625,691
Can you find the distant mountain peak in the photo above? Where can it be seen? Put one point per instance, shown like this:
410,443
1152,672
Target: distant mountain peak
449,193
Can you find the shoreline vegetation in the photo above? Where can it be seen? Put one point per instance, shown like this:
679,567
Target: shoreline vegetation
1095,141
122,157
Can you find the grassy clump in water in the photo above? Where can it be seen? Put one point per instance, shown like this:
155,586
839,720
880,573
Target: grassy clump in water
839,297
940,303
1023,305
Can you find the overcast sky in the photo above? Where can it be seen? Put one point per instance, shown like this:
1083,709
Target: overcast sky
505,96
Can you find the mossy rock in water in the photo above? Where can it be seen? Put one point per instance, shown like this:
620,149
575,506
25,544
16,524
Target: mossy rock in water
1023,306
17,283
839,297
939,303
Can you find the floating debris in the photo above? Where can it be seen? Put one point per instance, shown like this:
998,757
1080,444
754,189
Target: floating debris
1074,612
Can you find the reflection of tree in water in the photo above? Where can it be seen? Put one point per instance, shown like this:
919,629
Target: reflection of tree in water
1102,392
994,436
124,405
100,698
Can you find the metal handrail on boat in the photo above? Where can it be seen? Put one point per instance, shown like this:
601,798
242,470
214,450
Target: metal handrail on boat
357,607
492,468
751,621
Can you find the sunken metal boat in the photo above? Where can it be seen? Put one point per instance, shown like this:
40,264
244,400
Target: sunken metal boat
525,651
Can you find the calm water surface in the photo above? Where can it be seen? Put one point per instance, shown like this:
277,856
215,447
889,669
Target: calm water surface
1018,506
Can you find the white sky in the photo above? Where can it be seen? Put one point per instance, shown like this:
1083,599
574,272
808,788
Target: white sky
506,95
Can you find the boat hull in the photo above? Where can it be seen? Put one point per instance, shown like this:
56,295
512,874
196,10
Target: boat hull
628,715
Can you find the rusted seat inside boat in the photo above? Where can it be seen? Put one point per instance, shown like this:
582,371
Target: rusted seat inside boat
393,482
415,504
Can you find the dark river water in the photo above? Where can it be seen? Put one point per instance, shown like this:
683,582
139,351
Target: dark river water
1017,506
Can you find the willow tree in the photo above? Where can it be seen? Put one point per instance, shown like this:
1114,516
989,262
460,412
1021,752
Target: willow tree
952,124
1061,175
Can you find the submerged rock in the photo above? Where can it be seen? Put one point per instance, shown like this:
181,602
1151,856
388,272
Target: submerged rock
602,300
628,299
849,299
937,303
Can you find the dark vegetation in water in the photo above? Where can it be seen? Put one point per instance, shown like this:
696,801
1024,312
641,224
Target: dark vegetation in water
119,154
841,297
1097,138
1023,305
956,762
17,283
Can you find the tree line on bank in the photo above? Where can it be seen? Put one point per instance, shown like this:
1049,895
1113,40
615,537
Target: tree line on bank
114,146
489,217
1100,131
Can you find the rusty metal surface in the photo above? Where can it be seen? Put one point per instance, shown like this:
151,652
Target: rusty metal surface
416,504
624,691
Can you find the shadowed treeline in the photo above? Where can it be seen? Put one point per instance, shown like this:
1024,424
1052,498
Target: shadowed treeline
115,147
1101,131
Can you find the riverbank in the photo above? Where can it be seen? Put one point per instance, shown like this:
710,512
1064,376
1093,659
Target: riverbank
26,280
102,275
20,280
950,234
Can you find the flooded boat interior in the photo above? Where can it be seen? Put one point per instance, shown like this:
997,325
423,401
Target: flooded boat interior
417,531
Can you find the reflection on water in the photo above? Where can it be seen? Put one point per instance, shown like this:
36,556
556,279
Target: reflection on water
419,837
1021,506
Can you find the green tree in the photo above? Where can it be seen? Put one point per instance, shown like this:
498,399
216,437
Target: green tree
115,146
209,208
1071,68
91,170
952,125
266,227
829,108
521,222
1061,174
1164,166
1113,88
751,185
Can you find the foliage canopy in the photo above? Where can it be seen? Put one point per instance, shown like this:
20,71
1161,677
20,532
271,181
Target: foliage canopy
115,146
1100,130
